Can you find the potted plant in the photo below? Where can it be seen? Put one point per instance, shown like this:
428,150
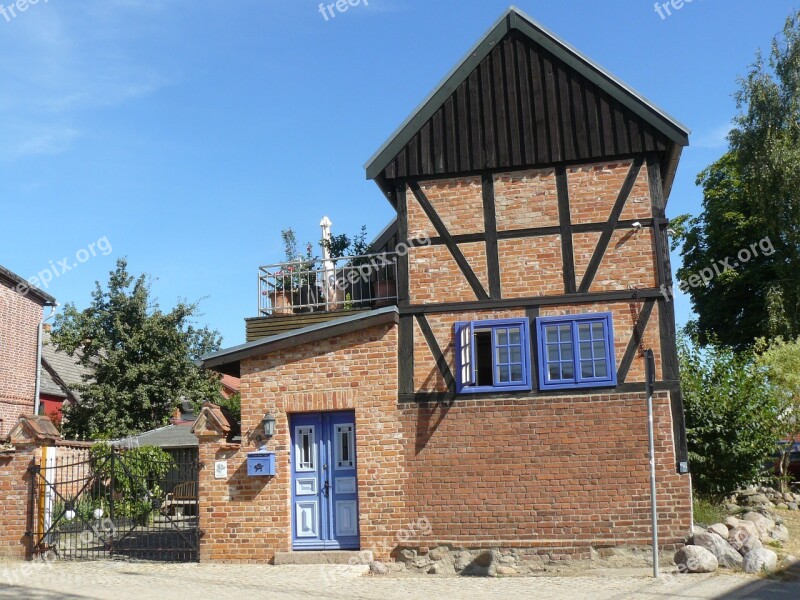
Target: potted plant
302,276
280,296
352,287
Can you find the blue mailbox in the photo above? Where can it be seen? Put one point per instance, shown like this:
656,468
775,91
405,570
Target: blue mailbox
260,464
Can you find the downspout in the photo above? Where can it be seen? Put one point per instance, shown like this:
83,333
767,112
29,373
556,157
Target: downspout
39,358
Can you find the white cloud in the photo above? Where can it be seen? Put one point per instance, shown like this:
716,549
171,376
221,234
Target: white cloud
714,139
63,59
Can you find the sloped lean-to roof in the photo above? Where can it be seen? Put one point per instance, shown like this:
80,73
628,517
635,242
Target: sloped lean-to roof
523,97
227,361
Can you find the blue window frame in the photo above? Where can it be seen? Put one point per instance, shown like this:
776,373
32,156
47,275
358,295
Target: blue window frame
576,351
493,356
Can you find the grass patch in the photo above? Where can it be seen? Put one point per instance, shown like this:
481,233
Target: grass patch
707,512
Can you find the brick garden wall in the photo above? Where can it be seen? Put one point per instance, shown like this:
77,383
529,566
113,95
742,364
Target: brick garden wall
19,322
14,494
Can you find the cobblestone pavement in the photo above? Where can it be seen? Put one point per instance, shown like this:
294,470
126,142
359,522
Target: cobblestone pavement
117,580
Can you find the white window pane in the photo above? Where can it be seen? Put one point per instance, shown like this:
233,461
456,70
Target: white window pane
516,354
599,349
584,332
516,373
567,370
514,336
502,336
552,354
597,331
565,333
502,374
502,355
586,350
586,369
600,368
566,352
555,372
552,333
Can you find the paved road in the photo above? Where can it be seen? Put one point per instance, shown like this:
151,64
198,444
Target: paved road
123,581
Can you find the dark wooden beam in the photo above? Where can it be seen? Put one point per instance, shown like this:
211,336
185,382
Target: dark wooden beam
490,229
636,340
511,234
405,355
625,388
588,298
565,229
436,351
658,206
532,312
452,246
403,288
611,225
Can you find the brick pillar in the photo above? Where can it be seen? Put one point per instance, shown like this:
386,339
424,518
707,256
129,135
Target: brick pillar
17,456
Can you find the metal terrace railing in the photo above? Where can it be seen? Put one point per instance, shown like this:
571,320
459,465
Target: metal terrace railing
324,285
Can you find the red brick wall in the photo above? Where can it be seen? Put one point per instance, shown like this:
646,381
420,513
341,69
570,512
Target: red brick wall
525,199
14,491
532,266
19,323
556,473
564,472
247,518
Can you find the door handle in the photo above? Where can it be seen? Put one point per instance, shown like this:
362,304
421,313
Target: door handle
326,488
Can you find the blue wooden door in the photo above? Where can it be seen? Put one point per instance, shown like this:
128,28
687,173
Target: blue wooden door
324,485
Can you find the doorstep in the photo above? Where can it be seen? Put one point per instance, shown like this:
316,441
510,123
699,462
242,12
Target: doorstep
324,557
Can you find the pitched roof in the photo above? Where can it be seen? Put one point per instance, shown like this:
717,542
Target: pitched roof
227,361
61,371
15,281
170,436
449,99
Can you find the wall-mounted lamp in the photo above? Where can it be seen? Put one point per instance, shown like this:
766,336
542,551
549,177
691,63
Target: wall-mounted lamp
637,225
269,425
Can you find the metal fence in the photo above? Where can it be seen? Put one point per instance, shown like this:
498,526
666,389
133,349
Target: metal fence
355,282
119,503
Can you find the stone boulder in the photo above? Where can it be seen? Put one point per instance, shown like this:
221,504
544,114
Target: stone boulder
762,523
760,560
483,565
719,547
695,559
720,529
378,568
757,500
731,522
780,533
743,540
791,505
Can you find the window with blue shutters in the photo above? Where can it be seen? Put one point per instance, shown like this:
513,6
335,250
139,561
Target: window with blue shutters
576,351
493,356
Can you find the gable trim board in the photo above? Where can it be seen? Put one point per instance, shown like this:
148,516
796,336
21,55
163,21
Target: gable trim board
520,124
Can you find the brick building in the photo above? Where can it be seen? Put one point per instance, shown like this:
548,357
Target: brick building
498,401
21,311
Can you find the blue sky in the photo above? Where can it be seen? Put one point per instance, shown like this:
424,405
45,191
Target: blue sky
188,133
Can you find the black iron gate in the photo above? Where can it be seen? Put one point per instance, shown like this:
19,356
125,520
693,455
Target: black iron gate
115,504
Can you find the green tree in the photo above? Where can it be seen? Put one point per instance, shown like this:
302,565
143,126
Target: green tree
733,421
780,360
753,193
141,356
